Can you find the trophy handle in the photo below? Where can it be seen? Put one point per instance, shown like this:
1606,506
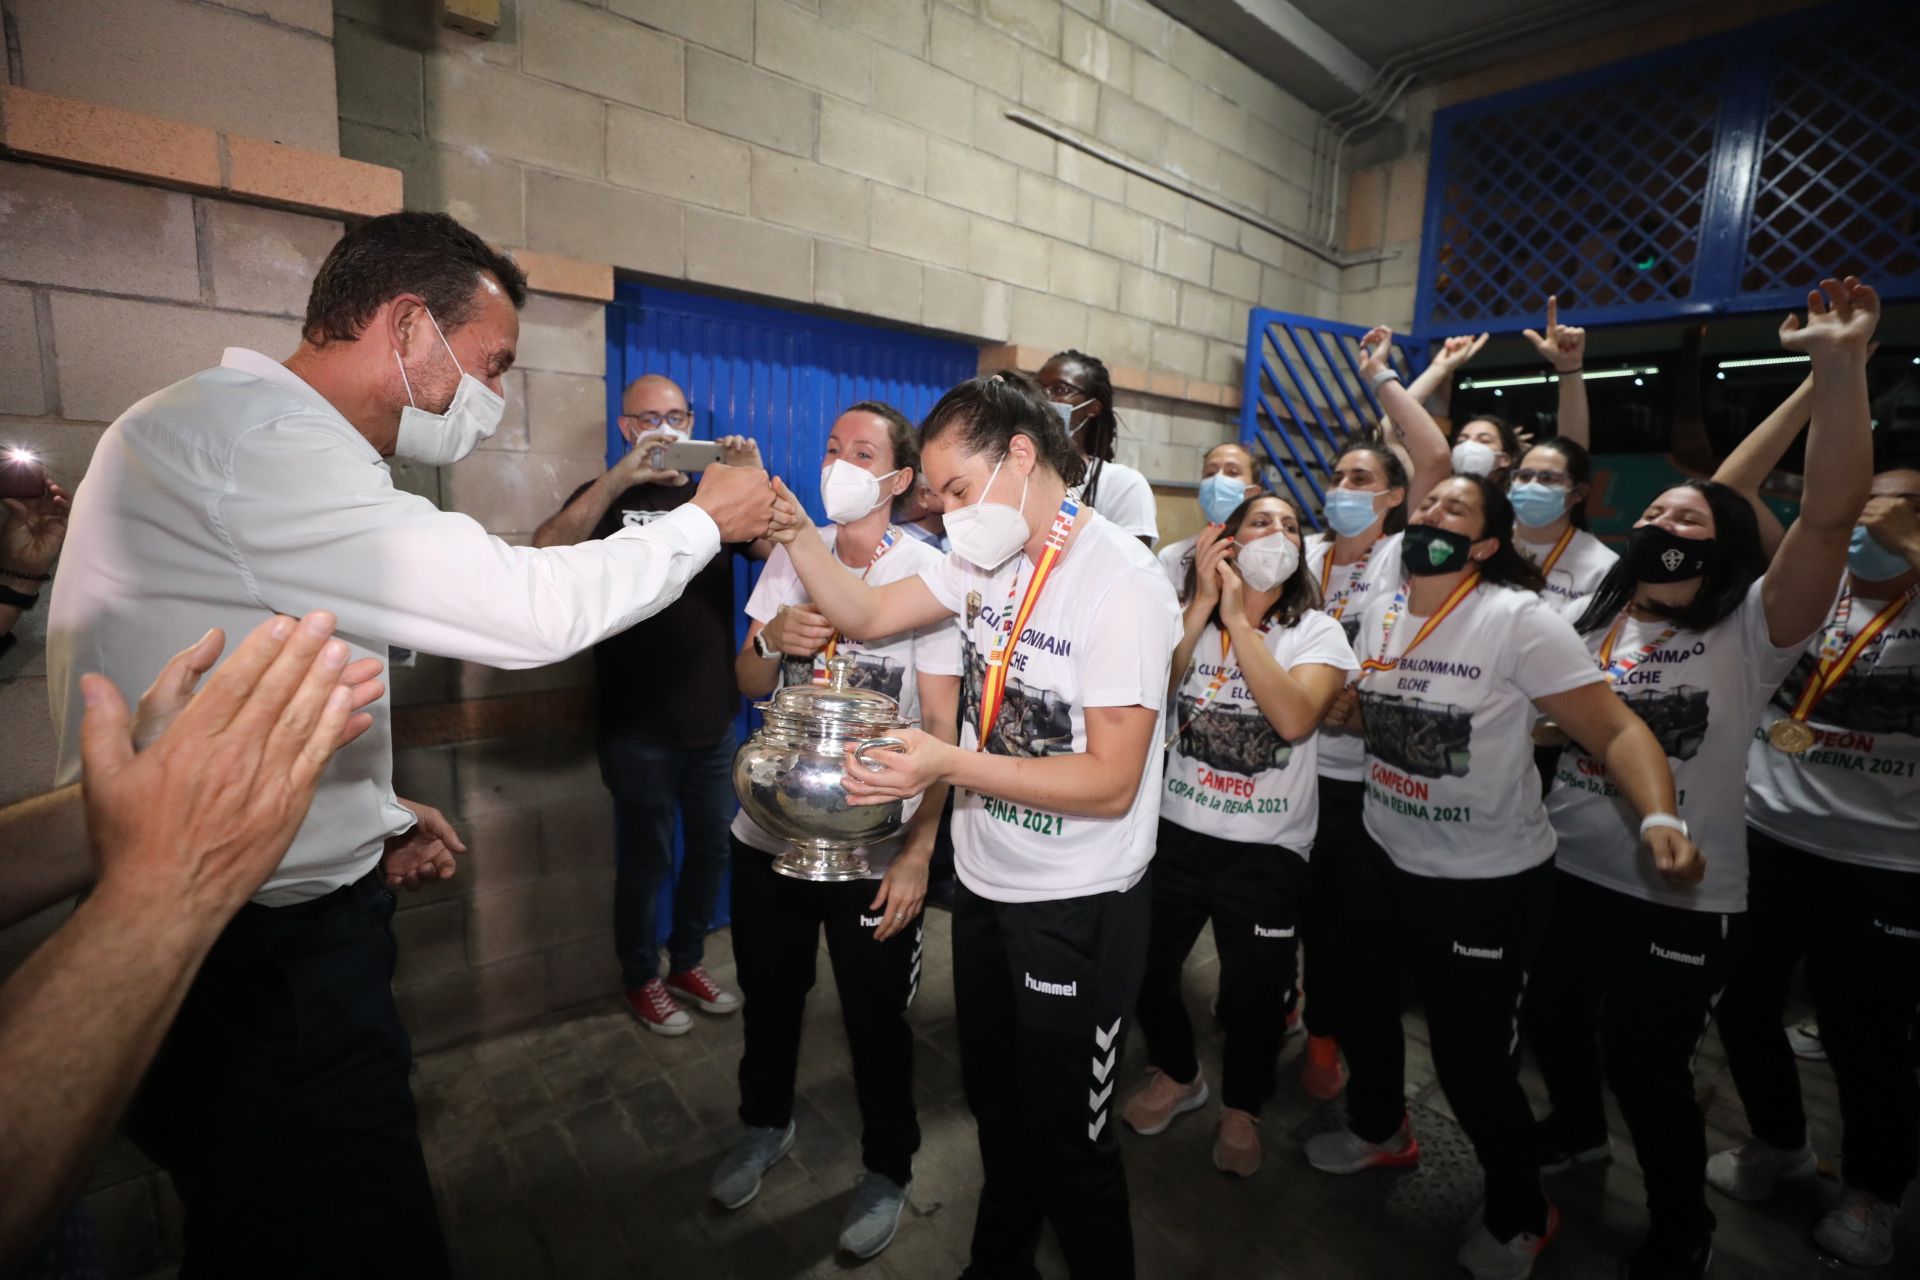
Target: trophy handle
861,748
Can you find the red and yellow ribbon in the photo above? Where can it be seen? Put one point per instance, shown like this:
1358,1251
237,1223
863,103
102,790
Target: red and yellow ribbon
993,687
1461,592
1832,668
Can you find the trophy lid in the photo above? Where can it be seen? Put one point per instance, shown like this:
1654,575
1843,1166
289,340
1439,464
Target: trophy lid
836,702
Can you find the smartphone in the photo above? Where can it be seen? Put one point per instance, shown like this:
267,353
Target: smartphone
21,476
685,455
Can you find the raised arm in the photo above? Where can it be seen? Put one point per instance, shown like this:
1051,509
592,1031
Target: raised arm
1564,346
1413,426
1755,457
858,610
1800,583
1435,382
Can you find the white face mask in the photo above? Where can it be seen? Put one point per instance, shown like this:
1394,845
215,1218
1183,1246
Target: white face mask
988,534
848,492
1471,458
439,439
1267,562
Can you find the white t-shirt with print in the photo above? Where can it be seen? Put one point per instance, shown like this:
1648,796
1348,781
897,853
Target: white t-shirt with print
887,665
1349,588
1124,497
1701,692
1230,774
1101,634
1451,787
1854,795
1176,558
1578,570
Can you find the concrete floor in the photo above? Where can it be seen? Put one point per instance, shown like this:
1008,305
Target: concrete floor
580,1148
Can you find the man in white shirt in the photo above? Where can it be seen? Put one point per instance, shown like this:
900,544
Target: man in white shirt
280,1102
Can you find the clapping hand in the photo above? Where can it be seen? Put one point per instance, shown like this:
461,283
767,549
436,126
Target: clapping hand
1564,346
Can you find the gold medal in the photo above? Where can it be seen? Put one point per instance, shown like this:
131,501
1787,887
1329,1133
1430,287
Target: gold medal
1548,734
1790,736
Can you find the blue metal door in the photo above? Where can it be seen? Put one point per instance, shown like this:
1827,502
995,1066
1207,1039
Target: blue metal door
780,377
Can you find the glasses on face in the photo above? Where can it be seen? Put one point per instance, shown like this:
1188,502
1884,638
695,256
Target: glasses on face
1527,475
1064,391
677,419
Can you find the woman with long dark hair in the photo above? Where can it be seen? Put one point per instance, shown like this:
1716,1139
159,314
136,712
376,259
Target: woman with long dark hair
1082,394
1255,668
1455,661
1694,630
1067,630
1365,511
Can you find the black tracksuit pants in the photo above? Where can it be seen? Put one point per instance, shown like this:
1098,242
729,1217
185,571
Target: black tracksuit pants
1623,991
1254,894
1345,878
1468,945
1859,930
1043,991
776,935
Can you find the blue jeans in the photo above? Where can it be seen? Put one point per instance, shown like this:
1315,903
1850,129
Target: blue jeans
650,784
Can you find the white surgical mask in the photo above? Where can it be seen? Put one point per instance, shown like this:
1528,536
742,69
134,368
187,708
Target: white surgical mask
848,492
439,439
988,534
1471,458
1267,562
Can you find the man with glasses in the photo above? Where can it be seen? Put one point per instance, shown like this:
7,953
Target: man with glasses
666,702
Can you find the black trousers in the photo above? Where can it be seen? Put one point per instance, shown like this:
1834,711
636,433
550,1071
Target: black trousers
776,935
1468,944
279,1102
1623,991
1254,894
1859,930
1346,876
1043,990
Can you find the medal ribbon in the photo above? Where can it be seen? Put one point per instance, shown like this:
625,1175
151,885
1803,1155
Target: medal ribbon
1559,549
1616,670
1461,592
993,686
1835,665
1206,699
1353,576
820,660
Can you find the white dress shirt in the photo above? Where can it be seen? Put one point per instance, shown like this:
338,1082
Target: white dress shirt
241,492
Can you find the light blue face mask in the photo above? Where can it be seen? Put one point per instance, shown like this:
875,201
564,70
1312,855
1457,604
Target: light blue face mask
1872,562
1220,496
1538,505
1350,511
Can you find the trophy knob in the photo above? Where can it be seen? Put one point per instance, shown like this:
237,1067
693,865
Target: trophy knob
839,672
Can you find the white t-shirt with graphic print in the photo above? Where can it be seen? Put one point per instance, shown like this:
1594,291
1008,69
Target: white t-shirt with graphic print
888,665
1854,795
1349,588
1701,692
1578,570
1451,787
1101,634
1230,774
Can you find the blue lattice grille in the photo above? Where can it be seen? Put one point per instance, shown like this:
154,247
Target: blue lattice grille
1838,188
1597,197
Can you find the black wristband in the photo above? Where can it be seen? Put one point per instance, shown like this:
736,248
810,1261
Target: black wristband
18,599
17,576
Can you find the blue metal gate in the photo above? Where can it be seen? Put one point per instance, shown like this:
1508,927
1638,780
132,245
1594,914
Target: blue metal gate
1303,399
781,377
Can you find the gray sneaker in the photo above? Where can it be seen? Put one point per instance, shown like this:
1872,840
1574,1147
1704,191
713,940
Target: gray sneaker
874,1215
1751,1170
737,1180
1859,1230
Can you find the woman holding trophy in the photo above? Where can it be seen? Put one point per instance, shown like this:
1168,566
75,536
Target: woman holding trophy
1067,627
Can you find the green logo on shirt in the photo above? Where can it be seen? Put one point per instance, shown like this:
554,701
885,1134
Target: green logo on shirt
1437,553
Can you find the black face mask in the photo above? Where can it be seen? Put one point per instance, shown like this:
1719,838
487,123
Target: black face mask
1656,555
1427,549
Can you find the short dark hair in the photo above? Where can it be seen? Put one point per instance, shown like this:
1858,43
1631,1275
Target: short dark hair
989,412
429,254
901,438
1739,558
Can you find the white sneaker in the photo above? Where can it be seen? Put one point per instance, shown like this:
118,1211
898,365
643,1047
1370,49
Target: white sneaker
1859,1229
1804,1040
1347,1152
1485,1258
1751,1170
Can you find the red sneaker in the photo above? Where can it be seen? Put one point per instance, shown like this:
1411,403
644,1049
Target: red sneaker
1323,1075
657,1011
697,987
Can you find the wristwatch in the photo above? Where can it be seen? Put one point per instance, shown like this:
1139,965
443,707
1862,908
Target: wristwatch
761,647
